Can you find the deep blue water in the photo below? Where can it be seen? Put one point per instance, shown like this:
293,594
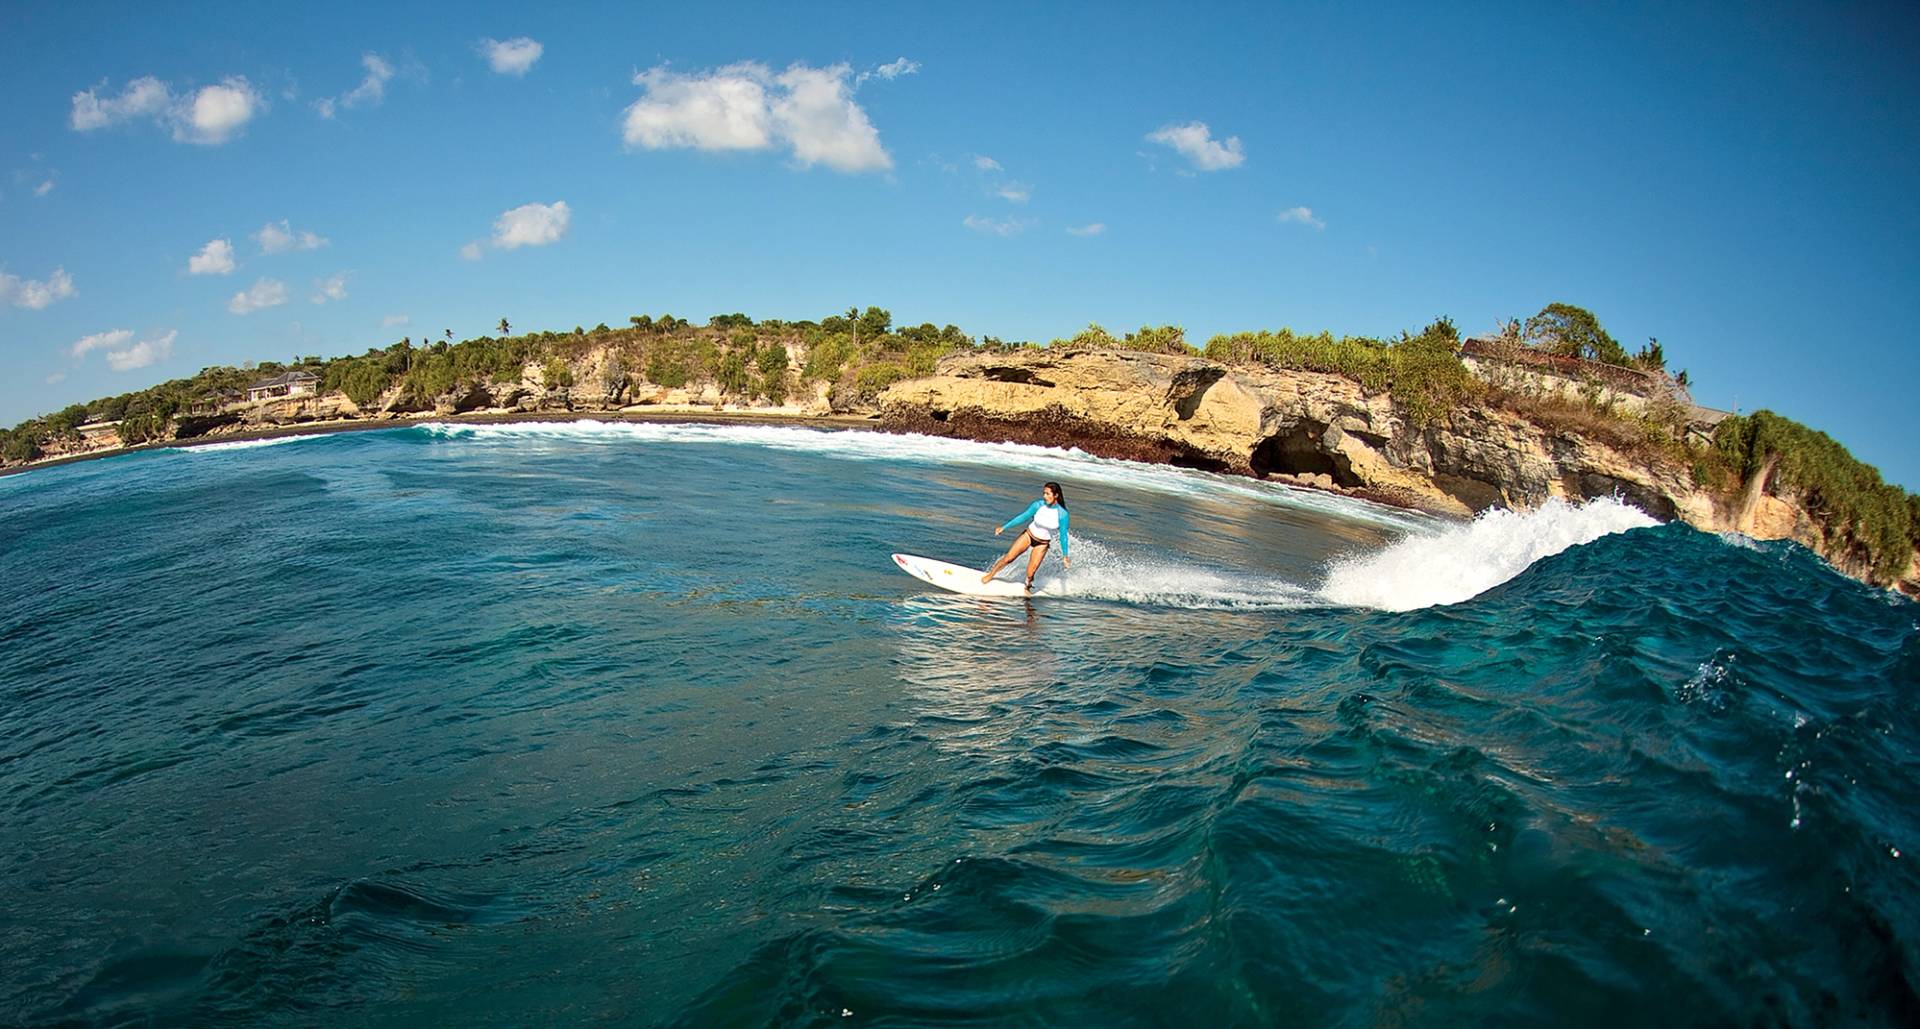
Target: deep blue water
537,724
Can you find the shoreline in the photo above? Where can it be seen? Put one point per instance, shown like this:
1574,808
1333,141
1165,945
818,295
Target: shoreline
859,423
324,428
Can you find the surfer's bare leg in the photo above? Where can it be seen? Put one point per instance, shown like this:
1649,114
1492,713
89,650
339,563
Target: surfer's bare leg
1020,544
1036,555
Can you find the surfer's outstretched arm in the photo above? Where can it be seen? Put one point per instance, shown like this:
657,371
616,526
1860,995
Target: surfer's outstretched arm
1017,519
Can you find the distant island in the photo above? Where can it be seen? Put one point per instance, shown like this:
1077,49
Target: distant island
1548,407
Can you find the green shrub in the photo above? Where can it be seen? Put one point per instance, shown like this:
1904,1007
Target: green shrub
362,379
873,378
20,444
1160,339
556,374
1423,373
1093,337
772,362
731,373
827,354
1858,512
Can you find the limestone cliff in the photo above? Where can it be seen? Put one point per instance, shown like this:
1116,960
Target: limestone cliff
1310,429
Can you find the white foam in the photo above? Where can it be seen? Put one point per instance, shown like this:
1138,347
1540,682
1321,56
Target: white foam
1050,462
242,444
1112,573
1463,561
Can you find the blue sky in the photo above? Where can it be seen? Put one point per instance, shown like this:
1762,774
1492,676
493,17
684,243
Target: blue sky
1738,181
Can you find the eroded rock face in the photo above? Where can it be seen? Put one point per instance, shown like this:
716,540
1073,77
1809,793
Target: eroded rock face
1309,427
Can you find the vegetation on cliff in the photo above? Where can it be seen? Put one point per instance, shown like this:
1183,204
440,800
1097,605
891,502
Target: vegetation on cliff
1858,514
1422,372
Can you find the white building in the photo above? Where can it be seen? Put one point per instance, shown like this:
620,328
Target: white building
286,384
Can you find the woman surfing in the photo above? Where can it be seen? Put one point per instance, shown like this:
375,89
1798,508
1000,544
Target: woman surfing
1048,522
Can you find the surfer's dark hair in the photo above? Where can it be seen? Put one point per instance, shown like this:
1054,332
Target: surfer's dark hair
1059,495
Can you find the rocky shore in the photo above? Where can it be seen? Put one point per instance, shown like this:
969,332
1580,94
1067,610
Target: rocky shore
1319,430
1307,429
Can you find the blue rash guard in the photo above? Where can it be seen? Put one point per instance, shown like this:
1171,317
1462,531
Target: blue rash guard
1033,510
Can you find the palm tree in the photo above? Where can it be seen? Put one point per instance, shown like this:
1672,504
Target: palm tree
449,335
504,327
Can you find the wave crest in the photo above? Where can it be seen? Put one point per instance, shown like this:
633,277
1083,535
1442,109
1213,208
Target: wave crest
1464,561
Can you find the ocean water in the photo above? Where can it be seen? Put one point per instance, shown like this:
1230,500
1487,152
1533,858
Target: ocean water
639,724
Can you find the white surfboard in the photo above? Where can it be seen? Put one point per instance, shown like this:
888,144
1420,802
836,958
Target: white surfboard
958,579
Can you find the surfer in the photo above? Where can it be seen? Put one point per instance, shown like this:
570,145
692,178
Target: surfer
1048,520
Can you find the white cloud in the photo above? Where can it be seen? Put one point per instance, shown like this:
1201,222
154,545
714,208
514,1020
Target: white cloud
99,341
279,237
1303,215
144,96
56,378
1196,143
216,113
262,294
1017,192
371,90
531,225
35,294
470,252
889,71
997,227
511,57
985,163
216,258
143,353
43,189
209,115
1089,229
333,287
394,319
809,111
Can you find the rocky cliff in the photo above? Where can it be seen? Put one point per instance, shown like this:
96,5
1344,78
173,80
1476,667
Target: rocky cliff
1318,430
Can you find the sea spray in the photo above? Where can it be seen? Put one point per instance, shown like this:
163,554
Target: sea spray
1130,575
1464,561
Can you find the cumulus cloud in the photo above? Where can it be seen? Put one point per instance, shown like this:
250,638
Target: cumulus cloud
371,90
333,287
1303,215
99,341
262,294
1016,192
985,163
746,106
35,294
531,225
1089,229
1195,142
889,71
279,237
209,115
997,227
513,56
470,252
216,258
143,353
43,188
216,113
145,96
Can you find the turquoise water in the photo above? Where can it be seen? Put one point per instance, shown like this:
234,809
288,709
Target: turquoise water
639,724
